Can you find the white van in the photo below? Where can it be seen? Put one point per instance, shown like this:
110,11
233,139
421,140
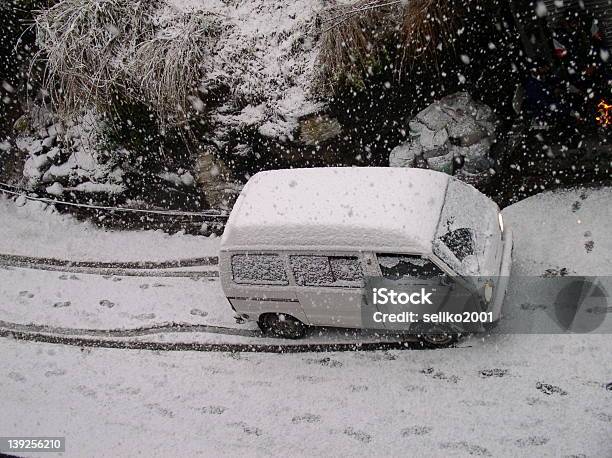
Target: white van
298,243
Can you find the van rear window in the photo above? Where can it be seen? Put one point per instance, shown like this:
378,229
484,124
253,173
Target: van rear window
326,270
259,269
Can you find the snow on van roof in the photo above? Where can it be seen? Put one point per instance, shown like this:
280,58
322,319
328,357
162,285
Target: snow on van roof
338,208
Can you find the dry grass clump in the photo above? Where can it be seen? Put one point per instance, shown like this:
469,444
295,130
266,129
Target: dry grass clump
355,36
101,51
167,66
352,38
84,42
428,27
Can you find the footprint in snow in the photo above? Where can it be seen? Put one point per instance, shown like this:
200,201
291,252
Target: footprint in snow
589,245
251,430
417,430
212,410
16,376
430,371
550,389
106,303
494,372
470,449
358,388
62,304
327,362
361,436
531,441
144,316
55,373
198,312
26,294
306,418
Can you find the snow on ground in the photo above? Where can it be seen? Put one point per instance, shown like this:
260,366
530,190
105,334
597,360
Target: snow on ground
511,395
563,229
109,302
34,229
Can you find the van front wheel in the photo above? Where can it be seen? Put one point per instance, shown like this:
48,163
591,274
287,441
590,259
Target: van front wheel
282,325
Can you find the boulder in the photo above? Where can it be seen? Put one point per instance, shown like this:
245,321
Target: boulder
318,129
215,178
452,134
434,117
404,155
441,163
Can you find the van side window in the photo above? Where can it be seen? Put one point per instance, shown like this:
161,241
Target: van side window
259,269
310,270
400,266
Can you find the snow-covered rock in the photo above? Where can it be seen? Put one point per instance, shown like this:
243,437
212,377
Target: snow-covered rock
56,189
453,132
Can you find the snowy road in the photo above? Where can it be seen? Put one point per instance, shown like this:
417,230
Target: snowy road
512,395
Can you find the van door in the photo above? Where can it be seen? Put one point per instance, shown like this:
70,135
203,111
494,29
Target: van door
414,272
329,288
258,283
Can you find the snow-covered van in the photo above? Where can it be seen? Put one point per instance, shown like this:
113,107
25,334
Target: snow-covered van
299,243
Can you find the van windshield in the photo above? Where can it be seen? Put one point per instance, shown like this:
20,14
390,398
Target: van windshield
467,230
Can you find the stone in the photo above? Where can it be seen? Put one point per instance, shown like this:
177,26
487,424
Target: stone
415,128
434,118
453,133
404,155
477,150
441,163
484,113
435,152
22,125
440,138
457,101
466,132
319,129
477,164
216,180
426,139
48,142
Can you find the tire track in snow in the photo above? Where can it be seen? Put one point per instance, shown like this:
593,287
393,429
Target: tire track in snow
135,332
128,269
190,262
13,332
116,338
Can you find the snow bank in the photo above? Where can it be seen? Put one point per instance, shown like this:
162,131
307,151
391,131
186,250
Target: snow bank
34,229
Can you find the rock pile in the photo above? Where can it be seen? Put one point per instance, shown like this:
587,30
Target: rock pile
67,157
453,135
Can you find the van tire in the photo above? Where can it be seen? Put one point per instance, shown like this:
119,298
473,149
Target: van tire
282,325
